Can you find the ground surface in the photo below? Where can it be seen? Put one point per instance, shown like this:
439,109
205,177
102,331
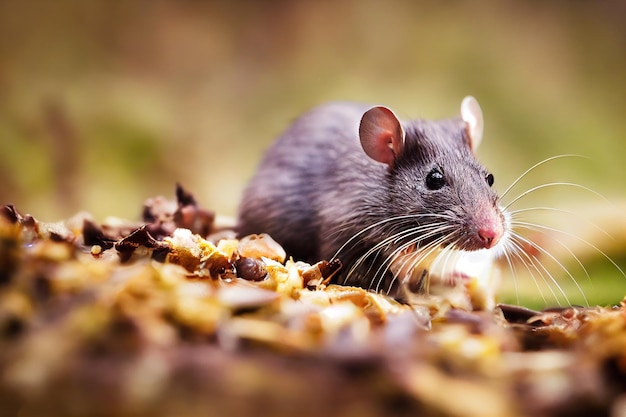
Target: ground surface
172,316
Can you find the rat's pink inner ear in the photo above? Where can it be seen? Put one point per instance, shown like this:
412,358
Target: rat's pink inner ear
381,134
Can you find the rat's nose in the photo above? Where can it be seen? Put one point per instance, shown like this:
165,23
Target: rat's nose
489,235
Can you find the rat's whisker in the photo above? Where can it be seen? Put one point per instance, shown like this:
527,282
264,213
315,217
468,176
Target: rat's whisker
396,254
552,184
539,227
414,259
538,164
542,250
516,213
561,243
398,220
529,262
430,230
380,245
507,247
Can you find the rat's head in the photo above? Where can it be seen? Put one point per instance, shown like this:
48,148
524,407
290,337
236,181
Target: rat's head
436,184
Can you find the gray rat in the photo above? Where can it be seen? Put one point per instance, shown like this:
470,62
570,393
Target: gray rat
353,182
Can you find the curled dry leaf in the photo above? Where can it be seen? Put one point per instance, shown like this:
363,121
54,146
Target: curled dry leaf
261,246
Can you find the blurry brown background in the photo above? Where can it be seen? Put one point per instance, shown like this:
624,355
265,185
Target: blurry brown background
106,103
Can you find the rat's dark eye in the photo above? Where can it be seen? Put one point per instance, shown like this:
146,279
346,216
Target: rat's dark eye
435,180
490,179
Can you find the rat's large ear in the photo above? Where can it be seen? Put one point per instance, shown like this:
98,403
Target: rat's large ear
473,116
382,137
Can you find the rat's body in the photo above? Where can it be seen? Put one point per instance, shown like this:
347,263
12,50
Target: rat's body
342,179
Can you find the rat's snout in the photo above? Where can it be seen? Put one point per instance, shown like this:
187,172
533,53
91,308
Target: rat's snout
490,231
489,236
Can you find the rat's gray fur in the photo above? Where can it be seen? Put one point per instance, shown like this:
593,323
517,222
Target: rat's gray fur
315,189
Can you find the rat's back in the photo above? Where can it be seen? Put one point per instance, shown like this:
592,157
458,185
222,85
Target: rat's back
299,175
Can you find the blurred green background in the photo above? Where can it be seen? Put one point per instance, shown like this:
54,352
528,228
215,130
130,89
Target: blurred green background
106,103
